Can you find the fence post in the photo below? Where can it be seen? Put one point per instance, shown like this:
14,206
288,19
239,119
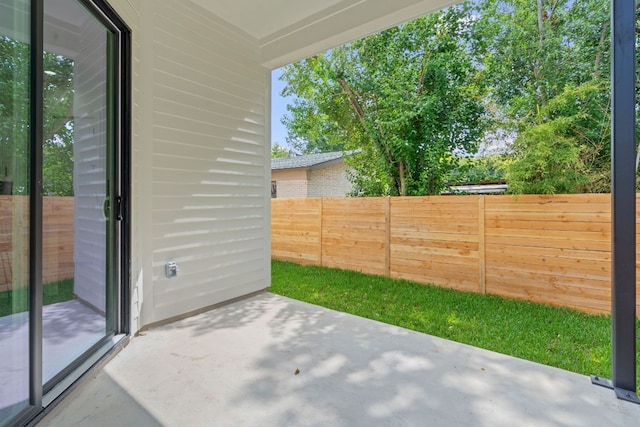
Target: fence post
387,243
481,246
320,214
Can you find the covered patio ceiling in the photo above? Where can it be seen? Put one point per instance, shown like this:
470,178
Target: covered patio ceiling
287,31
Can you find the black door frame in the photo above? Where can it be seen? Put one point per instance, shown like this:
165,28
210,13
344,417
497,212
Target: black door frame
119,212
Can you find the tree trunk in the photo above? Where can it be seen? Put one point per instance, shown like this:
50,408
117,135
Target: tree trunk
537,67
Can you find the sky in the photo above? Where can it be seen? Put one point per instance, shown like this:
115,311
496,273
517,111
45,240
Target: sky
278,109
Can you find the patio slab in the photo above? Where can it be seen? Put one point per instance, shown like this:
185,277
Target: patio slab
273,361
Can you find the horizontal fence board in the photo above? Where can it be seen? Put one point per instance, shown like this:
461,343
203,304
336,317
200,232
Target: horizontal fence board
57,237
544,226
562,253
551,216
442,281
553,249
543,242
511,260
556,235
520,276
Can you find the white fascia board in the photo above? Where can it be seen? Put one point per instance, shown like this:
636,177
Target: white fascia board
359,21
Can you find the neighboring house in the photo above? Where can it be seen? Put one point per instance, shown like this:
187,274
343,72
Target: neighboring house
495,187
312,175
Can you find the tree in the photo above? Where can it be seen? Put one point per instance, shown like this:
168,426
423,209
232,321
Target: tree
478,169
278,152
14,119
14,116
405,101
57,149
547,63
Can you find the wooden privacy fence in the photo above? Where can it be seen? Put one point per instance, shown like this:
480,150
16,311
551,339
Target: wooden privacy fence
57,240
548,249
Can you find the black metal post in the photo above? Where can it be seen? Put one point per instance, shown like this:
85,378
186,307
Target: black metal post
35,201
623,204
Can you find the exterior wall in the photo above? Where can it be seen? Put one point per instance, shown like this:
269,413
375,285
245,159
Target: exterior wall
200,160
291,182
330,181
90,166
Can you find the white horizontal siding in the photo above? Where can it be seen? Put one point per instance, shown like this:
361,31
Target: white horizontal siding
200,160
90,165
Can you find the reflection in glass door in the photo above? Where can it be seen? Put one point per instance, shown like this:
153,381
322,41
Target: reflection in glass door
76,150
62,127
14,208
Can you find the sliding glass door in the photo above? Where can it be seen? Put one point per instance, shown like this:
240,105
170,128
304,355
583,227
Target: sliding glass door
62,215
77,148
15,49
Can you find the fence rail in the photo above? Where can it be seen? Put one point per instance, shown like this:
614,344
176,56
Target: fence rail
57,230
548,249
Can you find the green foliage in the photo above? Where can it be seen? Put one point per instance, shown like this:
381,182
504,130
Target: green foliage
532,54
14,119
278,151
57,150
405,100
14,114
553,336
548,66
565,151
479,169
546,162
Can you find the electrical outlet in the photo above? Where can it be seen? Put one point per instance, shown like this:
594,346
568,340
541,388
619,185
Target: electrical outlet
171,269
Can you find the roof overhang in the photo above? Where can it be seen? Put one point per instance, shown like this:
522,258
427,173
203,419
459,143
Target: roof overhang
287,31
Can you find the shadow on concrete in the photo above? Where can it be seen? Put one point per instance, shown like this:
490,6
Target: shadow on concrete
272,361
117,407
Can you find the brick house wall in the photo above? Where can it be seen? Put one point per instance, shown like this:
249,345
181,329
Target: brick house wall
312,175
330,181
290,182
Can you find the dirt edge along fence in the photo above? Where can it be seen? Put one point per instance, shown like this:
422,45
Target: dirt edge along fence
549,249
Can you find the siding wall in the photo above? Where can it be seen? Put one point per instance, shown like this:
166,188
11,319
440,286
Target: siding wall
200,160
90,165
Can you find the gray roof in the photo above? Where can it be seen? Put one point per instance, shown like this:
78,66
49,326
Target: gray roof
305,161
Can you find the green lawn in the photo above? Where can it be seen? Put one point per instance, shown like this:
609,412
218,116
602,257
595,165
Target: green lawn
18,300
552,336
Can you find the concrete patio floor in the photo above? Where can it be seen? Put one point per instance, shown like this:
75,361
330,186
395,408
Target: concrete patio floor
236,366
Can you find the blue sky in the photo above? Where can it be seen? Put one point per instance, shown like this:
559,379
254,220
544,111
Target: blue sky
278,109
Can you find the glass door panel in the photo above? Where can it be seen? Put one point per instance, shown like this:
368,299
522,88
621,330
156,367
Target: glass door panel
76,151
14,208
51,326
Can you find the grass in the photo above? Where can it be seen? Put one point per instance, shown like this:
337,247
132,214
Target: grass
17,300
553,336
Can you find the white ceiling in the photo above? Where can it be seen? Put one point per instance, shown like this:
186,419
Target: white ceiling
258,18
289,30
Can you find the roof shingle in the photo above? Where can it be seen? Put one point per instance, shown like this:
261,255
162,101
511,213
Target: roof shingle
304,161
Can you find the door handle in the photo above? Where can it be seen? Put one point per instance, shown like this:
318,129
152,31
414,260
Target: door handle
119,208
106,207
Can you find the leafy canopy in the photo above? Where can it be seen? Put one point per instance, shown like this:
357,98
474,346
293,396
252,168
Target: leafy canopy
406,101
14,119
